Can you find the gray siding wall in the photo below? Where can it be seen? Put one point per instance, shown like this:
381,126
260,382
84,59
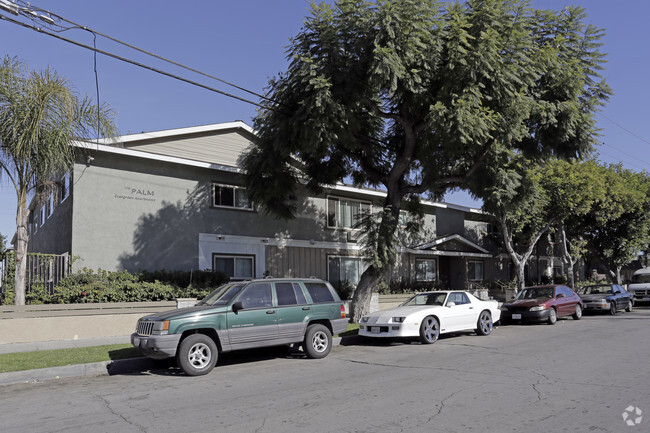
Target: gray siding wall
222,148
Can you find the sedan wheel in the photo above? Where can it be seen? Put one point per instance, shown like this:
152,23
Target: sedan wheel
578,314
630,306
484,325
552,316
612,308
429,330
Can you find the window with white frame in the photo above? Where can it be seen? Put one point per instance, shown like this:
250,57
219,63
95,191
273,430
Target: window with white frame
50,205
425,270
237,267
474,270
43,213
65,186
345,213
345,270
230,196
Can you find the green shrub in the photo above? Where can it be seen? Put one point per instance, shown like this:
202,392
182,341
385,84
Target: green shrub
87,285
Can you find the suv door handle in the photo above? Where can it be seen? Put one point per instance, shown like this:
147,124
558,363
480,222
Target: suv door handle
270,312
306,308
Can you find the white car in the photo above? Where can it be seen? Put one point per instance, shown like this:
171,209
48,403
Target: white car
427,315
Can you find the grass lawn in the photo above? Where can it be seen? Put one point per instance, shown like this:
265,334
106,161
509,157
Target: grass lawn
84,355
59,357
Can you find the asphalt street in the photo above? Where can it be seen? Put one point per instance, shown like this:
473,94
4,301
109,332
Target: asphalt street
576,376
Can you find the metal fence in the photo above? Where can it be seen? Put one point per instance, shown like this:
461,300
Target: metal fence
42,269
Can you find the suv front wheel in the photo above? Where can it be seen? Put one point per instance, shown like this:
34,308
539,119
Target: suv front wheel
318,341
197,355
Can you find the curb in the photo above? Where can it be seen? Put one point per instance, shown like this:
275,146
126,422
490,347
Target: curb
104,368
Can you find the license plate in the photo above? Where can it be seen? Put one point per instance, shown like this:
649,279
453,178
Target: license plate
516,316
375,329
646,299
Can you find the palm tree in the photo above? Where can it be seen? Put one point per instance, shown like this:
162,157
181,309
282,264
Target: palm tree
39,117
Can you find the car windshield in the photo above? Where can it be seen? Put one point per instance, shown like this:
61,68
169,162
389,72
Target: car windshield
426,299
535,293
595,290
222,295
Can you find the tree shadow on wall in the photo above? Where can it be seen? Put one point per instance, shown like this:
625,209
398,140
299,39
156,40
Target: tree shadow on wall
169,238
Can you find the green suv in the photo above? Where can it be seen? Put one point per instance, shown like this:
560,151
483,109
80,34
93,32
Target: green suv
243,315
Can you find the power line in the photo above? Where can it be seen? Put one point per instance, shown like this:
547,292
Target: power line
636,158
35,8
133,62
625,129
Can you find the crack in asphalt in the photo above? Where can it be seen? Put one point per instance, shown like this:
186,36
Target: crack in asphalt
421,367
110,409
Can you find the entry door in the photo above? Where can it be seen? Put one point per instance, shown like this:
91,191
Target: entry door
256,325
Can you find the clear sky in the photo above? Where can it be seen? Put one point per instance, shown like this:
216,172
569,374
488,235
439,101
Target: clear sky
244,42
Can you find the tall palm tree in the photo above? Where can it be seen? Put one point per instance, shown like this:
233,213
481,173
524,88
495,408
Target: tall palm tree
40,116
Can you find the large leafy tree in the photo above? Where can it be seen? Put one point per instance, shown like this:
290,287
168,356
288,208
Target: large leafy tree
39,117
415,97
530,200
617,229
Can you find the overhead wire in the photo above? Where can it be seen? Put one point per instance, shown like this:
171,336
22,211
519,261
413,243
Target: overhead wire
32,7
135,63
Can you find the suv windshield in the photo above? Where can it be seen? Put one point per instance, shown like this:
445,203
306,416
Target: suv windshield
641,278
426,299
222,295
536,292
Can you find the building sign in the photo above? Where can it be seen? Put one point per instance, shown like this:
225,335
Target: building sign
137,193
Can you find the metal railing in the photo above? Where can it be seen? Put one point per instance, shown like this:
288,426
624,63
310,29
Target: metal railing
45,269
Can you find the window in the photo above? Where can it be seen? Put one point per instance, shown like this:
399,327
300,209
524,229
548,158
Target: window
257,296
50,206
474,270
344,213
236,267
345,270
230,196
425,270
289,294
42,213
319,292
65,186
458,298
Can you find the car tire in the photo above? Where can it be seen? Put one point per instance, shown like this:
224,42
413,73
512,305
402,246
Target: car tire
552,317
612,308
484,325
429,330
318,341
578,313
197,355
630,306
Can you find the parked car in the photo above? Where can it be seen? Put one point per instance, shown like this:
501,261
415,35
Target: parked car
427,315
606,297
640,286
243,315
542,304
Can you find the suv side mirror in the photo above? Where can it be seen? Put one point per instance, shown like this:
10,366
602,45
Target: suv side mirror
560,295
451,304
237,306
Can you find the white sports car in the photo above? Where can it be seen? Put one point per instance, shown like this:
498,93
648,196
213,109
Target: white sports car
427,315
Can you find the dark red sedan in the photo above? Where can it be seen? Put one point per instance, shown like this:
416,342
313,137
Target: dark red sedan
542,304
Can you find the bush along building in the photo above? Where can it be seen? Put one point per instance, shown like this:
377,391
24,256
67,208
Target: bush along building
175,200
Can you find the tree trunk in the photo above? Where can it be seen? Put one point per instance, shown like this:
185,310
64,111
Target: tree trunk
566,255
363,293
21,250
